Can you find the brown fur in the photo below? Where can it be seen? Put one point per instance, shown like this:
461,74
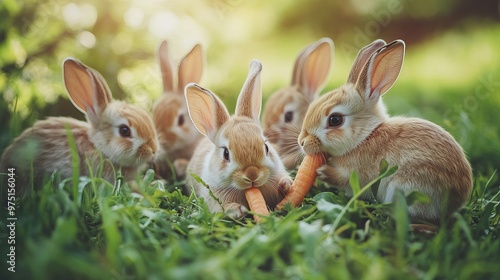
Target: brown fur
248,165
177,142
311,68
44,148
429,159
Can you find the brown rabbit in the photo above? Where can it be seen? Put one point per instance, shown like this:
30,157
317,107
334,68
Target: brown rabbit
234,154
116,135
177,134
350,125
285,109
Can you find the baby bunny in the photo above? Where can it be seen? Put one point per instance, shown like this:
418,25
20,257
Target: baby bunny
116,135
234,154
350,125
285,109
177,134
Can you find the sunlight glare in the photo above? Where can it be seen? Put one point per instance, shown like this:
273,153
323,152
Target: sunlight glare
163,24
79,16
134,17
87,39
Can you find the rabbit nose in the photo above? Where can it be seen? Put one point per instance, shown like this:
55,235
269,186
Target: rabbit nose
154,147
302,137
251,173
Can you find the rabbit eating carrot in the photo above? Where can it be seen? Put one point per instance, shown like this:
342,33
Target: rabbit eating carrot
351,125
234,155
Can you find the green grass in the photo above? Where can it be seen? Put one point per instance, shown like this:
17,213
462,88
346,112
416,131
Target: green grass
151,230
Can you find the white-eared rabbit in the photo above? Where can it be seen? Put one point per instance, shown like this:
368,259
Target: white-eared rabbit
116,135
285,109
351,126
234,154
177,135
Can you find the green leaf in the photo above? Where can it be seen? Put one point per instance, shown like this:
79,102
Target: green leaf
400,214
465,228
417,197
384,172
384,165
484,220
387,173
327,196
149,176
199,180
354,182
159,190
327,207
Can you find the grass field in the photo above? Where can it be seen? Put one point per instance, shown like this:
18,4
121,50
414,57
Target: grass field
153,231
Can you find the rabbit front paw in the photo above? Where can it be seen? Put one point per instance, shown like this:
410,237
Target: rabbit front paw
180,166
325,173
235,210
285,184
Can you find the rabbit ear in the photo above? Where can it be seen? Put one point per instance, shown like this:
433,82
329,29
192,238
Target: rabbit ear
310,74
87,89
166,67
250,99
381,70
191,67
298,64
363,56
206,110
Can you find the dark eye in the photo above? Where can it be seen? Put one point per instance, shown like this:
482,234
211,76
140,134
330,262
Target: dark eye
335,120
124,130
267,149
225,154
288,116
180,121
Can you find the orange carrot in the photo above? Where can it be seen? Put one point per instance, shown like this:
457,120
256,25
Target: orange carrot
256,202
303,181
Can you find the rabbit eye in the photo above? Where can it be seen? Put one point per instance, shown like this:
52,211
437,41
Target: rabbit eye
124,130
225,153
288,116
335,120
267,149
180,121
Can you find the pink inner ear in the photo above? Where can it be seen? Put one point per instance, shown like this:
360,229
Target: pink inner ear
79,84
207,123
381,75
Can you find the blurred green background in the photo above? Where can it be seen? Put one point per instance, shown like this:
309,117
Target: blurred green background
451,73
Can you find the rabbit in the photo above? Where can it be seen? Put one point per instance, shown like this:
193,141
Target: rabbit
177,134
351,127
285,109
234,155
116,135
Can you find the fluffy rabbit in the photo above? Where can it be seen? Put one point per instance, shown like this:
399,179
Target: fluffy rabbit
116,135
350,125
234,154
177,134
285,109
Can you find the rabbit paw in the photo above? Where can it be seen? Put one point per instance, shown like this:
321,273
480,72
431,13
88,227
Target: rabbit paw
235,210
180,166
325,173
285,184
